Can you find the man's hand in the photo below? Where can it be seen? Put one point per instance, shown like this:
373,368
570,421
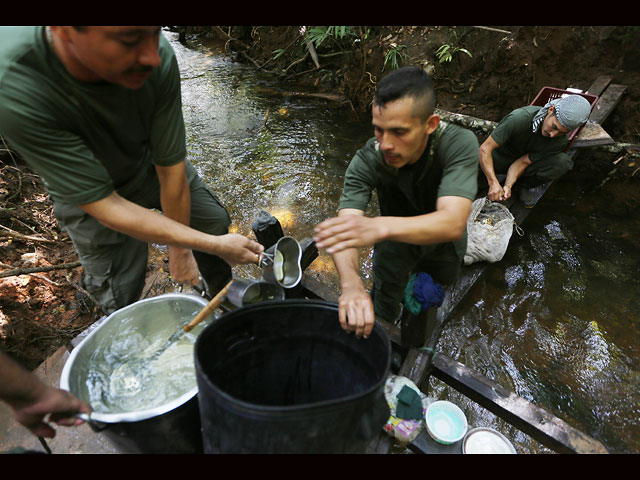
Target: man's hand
496,192
147,225
48,400
355,311
237,249
348,231
182,266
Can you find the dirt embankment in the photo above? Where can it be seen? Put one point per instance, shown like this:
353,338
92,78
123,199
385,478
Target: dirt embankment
40,311
505,67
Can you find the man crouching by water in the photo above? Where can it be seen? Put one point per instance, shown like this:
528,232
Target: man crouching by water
425,174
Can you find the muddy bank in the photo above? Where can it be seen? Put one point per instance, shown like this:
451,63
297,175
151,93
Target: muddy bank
490,71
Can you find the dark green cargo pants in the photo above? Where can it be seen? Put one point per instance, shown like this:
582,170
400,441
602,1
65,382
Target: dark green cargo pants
393,264
115,264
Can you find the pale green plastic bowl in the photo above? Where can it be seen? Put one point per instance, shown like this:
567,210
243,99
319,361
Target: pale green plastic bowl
446,423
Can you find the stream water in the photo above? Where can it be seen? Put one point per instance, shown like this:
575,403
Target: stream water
556,320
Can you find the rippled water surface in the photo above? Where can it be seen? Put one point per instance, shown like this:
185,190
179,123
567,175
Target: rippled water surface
263,149
556,320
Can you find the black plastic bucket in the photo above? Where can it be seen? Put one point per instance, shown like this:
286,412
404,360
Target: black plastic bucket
283,377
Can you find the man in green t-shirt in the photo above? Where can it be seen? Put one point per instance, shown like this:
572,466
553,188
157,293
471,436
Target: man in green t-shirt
425,175
528,146
97,111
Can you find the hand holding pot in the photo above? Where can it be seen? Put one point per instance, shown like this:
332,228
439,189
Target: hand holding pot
236,249
32,400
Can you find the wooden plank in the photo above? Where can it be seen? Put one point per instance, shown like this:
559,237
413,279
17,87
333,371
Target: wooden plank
591,135
600,85
309,252
415,330
606,103
527,417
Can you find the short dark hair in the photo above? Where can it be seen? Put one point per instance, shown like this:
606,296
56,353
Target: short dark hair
410,82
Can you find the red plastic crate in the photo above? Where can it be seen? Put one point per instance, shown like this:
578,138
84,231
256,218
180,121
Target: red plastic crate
550,93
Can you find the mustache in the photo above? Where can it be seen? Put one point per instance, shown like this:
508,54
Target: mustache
139,70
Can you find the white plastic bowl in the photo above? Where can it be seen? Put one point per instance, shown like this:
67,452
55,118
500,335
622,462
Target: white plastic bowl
484,440
446,422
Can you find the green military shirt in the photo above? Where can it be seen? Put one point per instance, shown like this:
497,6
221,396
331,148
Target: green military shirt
86,139
516,137
448,167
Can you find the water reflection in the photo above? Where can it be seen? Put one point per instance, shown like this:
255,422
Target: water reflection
555,321
263,150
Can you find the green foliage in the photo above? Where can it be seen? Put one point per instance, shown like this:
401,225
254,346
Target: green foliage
317,35
278,53
395,56
342,38
445,52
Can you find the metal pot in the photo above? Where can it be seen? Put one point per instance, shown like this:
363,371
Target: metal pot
281,263
243,292
173,427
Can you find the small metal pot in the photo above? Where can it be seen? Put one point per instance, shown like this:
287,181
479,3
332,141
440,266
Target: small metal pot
281,263
243,292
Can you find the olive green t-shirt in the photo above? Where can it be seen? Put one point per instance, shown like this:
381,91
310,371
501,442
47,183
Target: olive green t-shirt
516,137
86,139
448,167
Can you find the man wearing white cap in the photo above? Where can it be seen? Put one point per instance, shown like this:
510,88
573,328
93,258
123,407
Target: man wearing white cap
528,146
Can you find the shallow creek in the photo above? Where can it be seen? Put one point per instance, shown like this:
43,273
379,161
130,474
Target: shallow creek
556,320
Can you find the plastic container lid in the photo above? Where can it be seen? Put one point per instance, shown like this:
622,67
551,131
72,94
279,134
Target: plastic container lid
486,440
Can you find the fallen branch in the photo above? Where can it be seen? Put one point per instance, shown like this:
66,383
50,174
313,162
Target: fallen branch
312,51
295,62
630,149
243,53
486,126
45,279
326,96
155,279
244,45
79,288
19,189
495,30
23,271
14,234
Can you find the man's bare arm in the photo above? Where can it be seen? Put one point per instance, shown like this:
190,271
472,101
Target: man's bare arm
175,199
515,171
347,230
126,217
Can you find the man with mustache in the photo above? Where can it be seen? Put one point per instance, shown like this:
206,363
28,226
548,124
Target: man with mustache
97,112
528,146
424,172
